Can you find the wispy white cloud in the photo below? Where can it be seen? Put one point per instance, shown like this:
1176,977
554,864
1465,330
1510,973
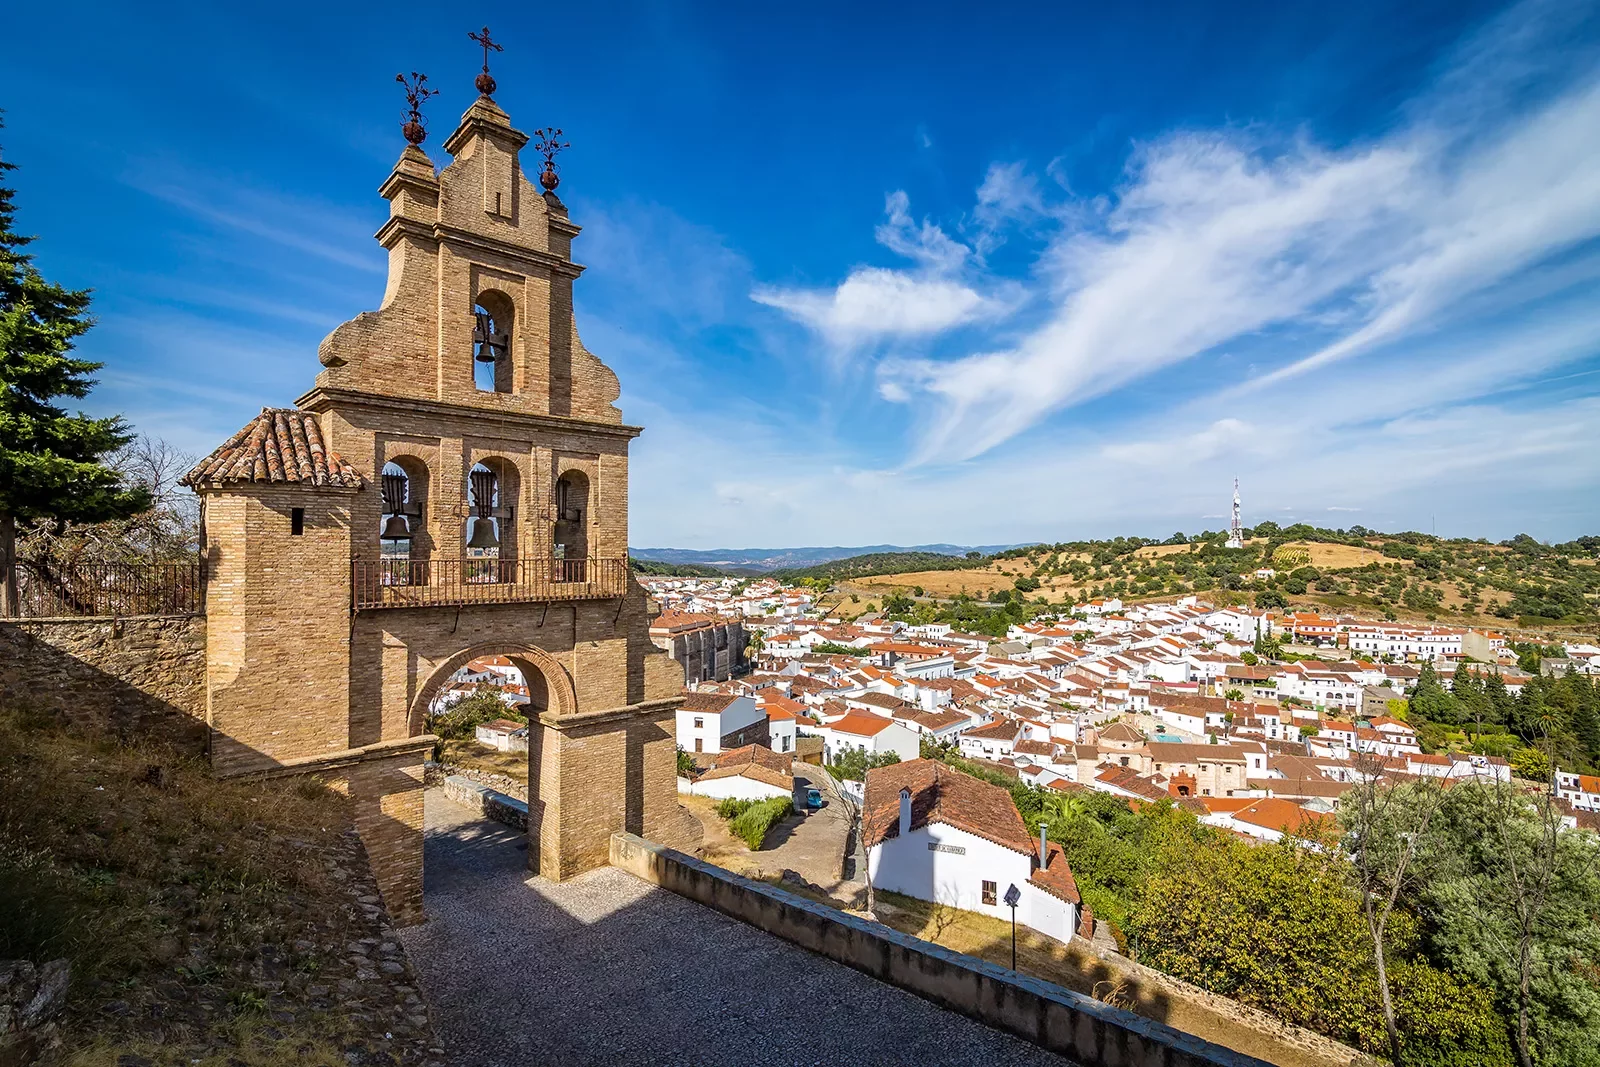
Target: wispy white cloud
874,303
1310,254
295,223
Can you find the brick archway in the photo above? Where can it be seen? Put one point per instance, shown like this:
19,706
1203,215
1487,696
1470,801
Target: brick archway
530,659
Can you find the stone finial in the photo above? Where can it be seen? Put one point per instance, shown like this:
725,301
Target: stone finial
415,128
548,143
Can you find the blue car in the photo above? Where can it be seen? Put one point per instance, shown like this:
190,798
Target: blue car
813,799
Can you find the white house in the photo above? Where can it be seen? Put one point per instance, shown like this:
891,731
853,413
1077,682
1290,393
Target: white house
503,734
1582,791
939,835
874,734
753,772
992,742
711,722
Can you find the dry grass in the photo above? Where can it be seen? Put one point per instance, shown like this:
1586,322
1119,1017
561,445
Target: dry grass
249,1043
168,880
1080,970
469,753
1326,557
973,582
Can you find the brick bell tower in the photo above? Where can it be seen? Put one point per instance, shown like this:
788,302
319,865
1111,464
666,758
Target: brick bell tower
454,485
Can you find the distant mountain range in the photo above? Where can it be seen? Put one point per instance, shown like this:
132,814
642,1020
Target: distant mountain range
760,560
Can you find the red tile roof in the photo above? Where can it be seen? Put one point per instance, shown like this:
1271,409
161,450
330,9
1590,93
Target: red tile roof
279,445
1055,877
861,724
1275,813
940,794
708,703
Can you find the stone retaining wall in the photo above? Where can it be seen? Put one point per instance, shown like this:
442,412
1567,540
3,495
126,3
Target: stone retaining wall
143,675
488,802
1084,1029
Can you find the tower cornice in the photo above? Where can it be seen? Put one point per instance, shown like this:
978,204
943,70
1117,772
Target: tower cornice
390,233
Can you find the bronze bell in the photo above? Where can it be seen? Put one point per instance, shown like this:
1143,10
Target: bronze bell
483,534
491,342
395,529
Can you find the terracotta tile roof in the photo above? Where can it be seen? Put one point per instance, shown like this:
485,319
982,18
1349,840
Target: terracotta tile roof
1275,813
708,703
861,724
1120,731
756,762
1055,877
1131,781
279,445
881,700
999,730
502,726
931,720
940,794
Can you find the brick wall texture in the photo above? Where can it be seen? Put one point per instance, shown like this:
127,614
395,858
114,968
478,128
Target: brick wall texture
296,678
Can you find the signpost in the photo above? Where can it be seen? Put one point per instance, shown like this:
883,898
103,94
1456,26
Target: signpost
1013,897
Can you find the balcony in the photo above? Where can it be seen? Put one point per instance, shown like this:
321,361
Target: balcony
400,583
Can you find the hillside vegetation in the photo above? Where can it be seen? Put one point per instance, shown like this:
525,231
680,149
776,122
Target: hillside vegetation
1280,927
881,563
675,570
1519,582
206,922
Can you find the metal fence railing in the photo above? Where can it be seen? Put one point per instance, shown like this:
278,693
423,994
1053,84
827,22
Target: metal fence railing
404,583
110,589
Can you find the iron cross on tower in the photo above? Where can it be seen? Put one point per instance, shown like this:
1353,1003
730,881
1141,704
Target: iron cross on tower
485,83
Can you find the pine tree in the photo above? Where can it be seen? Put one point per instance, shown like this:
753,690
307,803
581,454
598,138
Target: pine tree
50,461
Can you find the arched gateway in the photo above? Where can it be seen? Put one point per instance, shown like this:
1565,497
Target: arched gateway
336,605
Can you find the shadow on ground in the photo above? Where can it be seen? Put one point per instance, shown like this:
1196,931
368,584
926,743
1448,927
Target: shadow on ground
605,969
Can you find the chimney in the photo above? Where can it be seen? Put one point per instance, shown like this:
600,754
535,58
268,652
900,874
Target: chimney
905,812
1044,848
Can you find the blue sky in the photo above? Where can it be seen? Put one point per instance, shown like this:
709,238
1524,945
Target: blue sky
903,274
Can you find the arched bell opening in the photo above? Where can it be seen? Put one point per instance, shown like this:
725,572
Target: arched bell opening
492,364
492,488
402,537
571,535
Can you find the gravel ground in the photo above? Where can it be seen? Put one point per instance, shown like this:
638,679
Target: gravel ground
606,970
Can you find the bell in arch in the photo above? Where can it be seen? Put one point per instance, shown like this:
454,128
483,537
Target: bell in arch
490,341
395,529
483,534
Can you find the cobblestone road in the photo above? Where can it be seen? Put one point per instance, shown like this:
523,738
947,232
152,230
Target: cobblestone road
606,970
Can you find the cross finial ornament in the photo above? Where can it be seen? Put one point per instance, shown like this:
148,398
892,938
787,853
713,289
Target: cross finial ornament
547,143
485,83
417,93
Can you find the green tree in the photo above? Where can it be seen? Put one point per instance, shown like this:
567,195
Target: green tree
1430,701
1271,598
51,462
1510,899
854,763
1266,925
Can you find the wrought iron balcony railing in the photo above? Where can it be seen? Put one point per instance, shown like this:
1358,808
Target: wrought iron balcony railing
403,583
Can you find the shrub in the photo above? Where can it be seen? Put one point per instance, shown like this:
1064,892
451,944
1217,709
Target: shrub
729,807
756,817
460,721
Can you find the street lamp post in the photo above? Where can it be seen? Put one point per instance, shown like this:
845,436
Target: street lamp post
1013,898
